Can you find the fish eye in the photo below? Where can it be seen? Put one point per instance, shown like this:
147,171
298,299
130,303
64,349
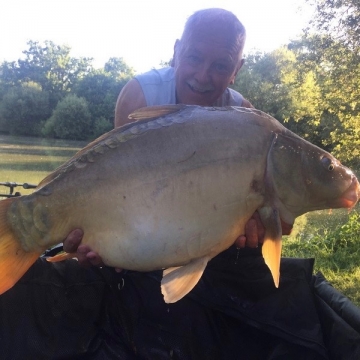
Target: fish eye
327,163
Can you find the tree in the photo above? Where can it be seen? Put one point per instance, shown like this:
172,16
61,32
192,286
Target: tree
118,69
50,66
330,47
273,83
71,120
24,109
339,18
101,88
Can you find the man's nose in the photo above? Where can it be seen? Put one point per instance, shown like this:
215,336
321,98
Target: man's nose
202,75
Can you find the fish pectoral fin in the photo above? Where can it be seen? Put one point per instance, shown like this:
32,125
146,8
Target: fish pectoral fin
271,251
151,112
61,257
14,260
271,248
178,281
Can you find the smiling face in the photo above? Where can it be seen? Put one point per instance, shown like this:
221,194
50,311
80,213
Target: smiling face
205,63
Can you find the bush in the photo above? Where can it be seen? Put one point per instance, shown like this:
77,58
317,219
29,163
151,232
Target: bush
71,120
101,126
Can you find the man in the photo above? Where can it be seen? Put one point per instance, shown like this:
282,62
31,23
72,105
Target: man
206,61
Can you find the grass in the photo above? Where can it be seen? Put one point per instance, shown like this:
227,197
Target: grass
24,159
333,239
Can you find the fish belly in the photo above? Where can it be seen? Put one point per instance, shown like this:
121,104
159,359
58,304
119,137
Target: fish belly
171,221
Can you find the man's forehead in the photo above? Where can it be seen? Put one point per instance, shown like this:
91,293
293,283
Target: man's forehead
215,44
219,36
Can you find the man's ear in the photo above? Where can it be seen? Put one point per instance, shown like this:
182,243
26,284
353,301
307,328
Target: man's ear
176,50
238,67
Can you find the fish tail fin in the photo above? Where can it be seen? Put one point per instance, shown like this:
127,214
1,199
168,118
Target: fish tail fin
271,251
178,281
14,260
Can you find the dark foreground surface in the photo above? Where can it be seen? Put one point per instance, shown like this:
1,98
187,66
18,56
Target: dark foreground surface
63,311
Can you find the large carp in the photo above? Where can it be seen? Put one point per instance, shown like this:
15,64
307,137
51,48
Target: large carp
173,190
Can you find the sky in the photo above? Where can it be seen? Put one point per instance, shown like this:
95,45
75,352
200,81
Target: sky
141,32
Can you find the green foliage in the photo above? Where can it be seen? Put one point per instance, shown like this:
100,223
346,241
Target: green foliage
118,69
337,69
101,126
49,65
340,18
313,89
101,89
330,48
275,83
54,75
24,109
71,120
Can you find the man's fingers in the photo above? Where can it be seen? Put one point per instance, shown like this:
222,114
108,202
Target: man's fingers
240,242
94,258
73,240
259,227
251,234
81,253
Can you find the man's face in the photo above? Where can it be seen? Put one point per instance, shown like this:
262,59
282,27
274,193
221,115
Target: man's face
204,67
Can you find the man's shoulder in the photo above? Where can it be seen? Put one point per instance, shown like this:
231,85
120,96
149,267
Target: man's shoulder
158,86
156,76
235,96
230,97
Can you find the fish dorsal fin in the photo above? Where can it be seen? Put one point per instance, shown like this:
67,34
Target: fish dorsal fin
178,281
151,112
271,249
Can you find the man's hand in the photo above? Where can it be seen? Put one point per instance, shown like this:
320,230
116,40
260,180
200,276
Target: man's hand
255,232
84,254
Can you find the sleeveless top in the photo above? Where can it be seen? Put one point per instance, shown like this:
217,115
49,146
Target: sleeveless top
158,86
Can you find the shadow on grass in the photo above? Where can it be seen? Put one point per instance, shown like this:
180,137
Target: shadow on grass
38,152
31,166
32,141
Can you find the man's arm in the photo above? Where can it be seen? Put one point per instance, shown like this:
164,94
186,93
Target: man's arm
247,104
131,98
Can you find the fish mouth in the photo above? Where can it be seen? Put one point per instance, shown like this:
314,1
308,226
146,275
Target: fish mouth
350,197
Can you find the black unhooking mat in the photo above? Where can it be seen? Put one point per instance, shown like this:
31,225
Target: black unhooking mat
63,311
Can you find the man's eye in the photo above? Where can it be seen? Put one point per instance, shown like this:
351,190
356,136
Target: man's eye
194,59
222,68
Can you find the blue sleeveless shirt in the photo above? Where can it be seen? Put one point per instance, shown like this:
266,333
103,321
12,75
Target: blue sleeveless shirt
158,87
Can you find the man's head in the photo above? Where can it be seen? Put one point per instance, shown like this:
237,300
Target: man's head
208,56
